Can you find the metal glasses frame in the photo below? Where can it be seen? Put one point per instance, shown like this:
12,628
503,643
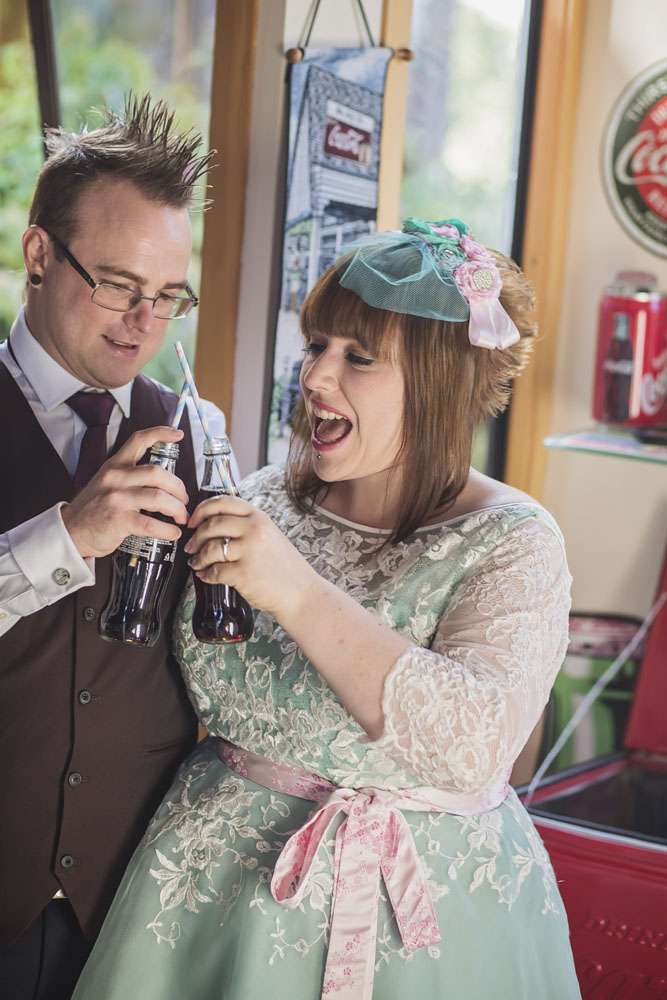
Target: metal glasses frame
136,298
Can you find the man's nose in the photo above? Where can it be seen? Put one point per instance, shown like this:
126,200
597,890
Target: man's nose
141,317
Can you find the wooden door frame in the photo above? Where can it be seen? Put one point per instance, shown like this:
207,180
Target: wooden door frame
545,233
395,33
231,100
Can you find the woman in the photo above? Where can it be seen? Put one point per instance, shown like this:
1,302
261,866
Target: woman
348,828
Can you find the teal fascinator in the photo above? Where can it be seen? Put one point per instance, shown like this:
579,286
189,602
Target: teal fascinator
432,269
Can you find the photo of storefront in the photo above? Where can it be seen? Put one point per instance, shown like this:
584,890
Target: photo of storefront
333,166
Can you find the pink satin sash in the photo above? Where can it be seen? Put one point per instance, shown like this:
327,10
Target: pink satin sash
374,839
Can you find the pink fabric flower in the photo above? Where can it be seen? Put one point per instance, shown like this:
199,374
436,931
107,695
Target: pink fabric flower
478,279
474,250
451,232
479,282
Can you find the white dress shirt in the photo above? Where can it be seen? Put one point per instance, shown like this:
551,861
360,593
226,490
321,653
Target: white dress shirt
39,563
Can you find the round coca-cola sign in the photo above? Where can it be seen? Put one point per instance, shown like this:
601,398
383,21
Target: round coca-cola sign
635,158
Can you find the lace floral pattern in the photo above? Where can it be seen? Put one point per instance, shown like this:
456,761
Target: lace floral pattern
215,842
460,712
484,600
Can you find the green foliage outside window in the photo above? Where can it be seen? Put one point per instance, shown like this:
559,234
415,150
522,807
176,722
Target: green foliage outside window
103,50
20,159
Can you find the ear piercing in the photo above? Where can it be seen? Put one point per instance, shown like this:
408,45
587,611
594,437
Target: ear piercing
35,279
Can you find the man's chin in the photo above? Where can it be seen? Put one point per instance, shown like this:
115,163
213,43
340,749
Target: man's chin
115,374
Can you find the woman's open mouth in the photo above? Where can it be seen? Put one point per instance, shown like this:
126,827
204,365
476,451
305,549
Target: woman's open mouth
329,429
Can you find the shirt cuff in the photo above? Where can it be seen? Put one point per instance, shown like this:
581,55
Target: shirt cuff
48,558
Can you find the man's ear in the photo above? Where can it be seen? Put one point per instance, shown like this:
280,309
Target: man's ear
36,252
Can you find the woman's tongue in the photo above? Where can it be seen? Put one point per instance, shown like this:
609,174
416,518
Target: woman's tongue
329,431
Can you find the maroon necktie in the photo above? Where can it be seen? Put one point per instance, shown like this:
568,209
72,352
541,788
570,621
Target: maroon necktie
94,408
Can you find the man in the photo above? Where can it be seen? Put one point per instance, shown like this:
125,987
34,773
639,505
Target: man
90,732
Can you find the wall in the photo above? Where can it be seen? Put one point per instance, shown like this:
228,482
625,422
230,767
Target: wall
613,512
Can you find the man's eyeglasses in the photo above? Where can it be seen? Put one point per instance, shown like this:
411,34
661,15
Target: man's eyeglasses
118,298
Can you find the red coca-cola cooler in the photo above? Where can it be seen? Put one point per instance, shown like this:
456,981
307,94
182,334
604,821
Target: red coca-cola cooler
604,824
630,388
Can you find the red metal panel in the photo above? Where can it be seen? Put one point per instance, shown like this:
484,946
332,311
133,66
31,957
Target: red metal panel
647,728
615,894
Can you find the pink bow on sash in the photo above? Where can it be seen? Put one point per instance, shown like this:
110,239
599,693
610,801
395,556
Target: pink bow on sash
374,839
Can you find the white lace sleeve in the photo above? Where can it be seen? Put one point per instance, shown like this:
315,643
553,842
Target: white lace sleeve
458,714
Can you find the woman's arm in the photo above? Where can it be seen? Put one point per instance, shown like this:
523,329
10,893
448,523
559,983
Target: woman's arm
459,712
349,647
347,644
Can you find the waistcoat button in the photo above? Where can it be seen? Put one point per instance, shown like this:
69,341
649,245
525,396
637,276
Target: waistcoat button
85,697
74,779
89,614
67,861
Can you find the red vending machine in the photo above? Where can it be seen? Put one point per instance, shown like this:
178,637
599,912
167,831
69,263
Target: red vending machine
604,824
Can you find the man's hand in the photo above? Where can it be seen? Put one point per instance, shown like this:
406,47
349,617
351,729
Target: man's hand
109,508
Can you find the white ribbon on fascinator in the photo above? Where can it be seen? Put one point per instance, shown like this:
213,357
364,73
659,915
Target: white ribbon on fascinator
490,326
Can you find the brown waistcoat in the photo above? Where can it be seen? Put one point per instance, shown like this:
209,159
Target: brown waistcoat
91,732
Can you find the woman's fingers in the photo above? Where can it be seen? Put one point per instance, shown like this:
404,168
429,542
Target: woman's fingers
219,505
214,574
218,526
215,553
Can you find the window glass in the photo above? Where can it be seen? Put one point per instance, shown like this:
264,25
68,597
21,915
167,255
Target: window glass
103,50
465,104
20,154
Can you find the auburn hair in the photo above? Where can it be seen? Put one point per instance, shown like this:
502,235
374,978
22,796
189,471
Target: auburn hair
450,388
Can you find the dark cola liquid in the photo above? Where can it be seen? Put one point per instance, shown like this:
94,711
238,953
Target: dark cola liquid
220,614
141,571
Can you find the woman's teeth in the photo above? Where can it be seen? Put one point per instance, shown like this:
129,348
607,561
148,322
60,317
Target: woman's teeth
327,414
331,430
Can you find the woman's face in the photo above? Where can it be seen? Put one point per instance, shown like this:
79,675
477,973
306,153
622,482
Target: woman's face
354,405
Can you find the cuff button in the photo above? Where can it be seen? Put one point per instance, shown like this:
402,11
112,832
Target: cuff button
61,576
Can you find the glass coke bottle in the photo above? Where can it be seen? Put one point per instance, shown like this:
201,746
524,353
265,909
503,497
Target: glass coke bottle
141,567
221,615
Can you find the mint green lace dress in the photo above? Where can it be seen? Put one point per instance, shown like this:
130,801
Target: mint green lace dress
484,598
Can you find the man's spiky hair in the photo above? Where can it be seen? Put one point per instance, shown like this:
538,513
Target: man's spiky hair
140,145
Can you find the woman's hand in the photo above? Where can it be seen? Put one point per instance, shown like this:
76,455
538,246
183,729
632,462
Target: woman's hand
261,563
345,643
